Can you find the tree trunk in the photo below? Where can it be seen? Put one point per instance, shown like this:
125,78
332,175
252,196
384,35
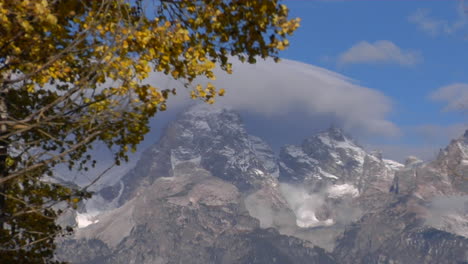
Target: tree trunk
3,152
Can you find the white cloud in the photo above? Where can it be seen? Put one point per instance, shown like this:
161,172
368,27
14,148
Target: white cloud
277,88
273,89
449,213
381,51
454,95
434,26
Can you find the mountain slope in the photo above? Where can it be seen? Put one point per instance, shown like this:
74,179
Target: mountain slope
425,219
191,217
208,192
212,137
331,157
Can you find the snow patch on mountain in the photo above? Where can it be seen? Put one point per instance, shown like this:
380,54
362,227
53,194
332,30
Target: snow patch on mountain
258,172
111,227
335,138
463,146
340,190
327,175
325,138
299,155
393,165
201,125
85,219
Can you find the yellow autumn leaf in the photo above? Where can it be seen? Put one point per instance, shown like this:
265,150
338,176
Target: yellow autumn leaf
51,19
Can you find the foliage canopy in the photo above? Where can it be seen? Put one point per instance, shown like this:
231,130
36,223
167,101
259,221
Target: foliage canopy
73,73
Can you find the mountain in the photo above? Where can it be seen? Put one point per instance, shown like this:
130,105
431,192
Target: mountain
348,177
190,217
452,164
335,160
425,219
209,192
211,137
398,235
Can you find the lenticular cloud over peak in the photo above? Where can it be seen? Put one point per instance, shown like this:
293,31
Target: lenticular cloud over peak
273,89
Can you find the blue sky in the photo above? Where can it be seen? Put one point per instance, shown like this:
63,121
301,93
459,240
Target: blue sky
430,36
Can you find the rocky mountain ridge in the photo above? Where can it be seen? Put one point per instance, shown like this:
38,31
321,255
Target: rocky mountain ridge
425,219
212,137
208,179
191,217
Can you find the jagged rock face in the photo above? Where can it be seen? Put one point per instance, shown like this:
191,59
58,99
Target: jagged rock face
442,179
397,234
451,166
215,139
452,163
332,160
191,217
410,227
196,195
331,157
328,156
218,141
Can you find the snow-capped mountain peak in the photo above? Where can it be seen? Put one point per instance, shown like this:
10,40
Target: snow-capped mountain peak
207,177
329,156
213,138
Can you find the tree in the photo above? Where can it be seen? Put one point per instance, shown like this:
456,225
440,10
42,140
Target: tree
72,73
